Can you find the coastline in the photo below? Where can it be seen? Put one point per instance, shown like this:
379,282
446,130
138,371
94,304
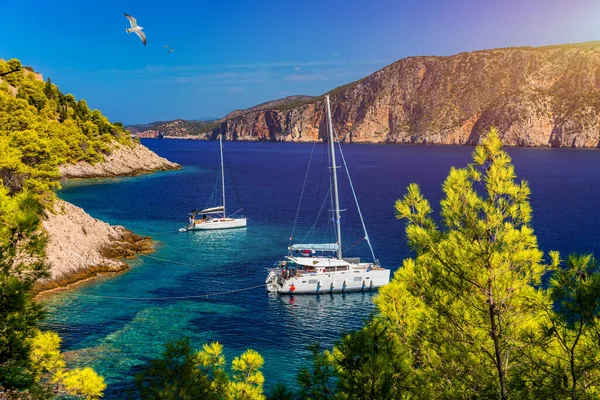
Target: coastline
122,161
81,248
42,290
202,137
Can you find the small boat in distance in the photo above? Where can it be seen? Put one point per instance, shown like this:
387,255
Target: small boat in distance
321,268
214,217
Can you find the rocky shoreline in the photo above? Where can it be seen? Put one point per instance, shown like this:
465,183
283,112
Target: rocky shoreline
123,161
81,247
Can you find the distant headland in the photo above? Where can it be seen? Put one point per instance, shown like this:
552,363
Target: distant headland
535,96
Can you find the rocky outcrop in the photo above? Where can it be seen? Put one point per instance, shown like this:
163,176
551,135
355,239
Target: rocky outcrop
184,129
123,161
546,96
80,246
286,102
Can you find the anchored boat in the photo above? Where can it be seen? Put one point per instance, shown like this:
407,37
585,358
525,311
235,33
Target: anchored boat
321,268
215,217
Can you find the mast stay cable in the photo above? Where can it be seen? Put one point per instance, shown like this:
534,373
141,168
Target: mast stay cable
362,221
234,184
302,194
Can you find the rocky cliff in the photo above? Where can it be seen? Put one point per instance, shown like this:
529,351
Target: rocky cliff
81,247
545,96
198,129
124,160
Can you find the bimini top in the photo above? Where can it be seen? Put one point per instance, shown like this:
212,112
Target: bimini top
212,210
314,247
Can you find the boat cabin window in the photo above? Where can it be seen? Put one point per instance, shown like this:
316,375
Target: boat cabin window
334,269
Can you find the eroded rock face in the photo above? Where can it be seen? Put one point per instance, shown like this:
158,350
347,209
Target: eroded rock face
80,246
547,96
123,161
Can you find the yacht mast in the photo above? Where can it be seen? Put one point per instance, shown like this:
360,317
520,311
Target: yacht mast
335,185
222,172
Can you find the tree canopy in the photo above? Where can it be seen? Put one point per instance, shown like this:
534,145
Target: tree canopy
479,311
40,128
183,373
471,308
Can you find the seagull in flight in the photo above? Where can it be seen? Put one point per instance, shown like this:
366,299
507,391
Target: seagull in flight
135,28
170,51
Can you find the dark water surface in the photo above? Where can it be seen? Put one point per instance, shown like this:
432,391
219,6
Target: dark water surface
115,335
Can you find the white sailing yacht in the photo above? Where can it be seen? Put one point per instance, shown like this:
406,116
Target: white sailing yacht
321,268
214,217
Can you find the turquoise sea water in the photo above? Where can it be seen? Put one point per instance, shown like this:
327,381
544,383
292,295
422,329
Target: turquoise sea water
116,323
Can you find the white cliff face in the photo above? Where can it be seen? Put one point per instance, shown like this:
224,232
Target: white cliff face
123,161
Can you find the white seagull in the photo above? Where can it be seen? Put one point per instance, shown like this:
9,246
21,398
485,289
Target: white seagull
135,28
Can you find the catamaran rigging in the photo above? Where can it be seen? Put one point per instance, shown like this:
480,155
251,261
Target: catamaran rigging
305,271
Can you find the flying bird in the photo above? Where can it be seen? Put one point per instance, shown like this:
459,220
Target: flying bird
170,51
9,72
135,28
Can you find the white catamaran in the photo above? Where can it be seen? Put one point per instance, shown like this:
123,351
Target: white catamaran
320,268
214,217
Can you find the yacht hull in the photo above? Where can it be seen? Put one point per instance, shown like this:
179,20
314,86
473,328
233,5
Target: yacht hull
323,283
226,223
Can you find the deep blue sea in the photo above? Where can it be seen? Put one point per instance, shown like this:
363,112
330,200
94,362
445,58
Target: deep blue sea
117,323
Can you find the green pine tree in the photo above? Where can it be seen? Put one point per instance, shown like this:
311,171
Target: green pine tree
463,305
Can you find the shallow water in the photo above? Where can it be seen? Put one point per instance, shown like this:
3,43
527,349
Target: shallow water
117,323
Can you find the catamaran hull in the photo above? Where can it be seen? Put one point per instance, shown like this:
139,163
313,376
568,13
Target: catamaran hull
338,282
228,224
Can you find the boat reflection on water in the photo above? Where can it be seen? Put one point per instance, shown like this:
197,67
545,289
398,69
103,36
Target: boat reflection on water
328,315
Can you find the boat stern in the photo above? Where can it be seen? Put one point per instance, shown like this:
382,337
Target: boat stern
272,282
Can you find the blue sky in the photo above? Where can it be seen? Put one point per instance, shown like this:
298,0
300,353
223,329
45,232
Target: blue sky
235,54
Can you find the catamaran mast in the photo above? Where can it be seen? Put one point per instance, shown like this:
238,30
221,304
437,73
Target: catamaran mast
335,185
222,172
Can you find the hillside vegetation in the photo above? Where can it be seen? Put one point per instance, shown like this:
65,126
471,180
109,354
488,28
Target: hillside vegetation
40,129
